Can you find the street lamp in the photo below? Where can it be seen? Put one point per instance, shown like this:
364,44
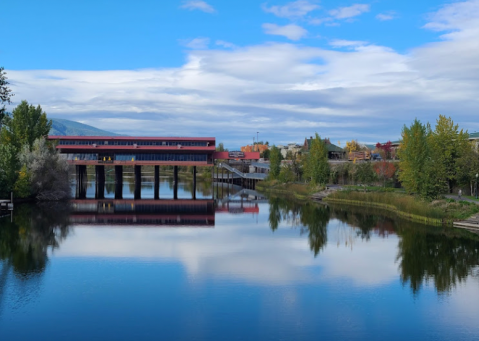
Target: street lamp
476,183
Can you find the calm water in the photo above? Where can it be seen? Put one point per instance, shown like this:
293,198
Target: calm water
243,268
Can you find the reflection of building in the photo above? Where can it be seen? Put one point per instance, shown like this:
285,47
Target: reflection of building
150,212
143,212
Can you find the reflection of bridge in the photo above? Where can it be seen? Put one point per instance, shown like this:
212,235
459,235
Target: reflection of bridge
153,212
104,151
143,212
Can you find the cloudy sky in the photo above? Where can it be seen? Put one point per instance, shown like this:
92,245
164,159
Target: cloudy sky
345,69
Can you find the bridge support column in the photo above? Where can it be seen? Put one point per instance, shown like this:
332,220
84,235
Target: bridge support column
194,182
137,182
175,182
82,181
99,182
157,182
118,182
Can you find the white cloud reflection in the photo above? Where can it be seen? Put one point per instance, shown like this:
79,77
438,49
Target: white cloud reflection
241,252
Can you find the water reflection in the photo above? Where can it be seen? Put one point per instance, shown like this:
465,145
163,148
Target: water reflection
443,256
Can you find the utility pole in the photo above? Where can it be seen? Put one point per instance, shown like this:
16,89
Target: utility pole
257,141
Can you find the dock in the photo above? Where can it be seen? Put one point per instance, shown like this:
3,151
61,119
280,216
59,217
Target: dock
471,224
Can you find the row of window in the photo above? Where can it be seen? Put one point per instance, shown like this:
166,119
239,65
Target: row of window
131,143
138,157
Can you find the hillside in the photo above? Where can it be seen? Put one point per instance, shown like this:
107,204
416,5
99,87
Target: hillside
63,127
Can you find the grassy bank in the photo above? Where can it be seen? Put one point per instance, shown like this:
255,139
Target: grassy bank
408,206
298,190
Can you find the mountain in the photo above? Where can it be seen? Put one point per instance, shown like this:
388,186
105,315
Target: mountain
62,127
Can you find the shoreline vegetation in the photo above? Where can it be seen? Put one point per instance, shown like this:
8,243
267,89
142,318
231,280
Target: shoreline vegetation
410,207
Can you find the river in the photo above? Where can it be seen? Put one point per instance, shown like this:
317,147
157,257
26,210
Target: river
240,267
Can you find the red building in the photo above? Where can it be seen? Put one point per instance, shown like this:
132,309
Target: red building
124,150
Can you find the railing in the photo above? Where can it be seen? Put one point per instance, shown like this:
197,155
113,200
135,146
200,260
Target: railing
255,176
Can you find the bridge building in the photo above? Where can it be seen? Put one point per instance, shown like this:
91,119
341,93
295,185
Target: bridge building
119,151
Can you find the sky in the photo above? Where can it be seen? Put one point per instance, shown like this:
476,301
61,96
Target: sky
229,69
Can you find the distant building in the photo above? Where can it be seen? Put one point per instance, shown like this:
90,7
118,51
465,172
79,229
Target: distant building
474,137
294,148
255,148
334,152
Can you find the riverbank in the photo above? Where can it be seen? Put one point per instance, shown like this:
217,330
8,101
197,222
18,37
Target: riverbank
299,191
437,212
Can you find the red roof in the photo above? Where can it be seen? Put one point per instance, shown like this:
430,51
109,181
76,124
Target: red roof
131,138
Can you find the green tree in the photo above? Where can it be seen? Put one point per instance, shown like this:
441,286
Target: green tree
5,94
9,166
26,124
22,187
274,162
467,167
221,147
316,165
286,174
365,173
413,153
266,154
448,144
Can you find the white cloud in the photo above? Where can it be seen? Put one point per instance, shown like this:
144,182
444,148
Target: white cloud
225,44
198,5
460,19
196,44
346,43
219,92
291,31
385,16
349,12
292,10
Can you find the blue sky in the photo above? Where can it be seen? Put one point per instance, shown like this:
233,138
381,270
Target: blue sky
344,69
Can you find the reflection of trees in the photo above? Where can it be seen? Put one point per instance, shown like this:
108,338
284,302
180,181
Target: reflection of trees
444,255
312,218
25,241
447,260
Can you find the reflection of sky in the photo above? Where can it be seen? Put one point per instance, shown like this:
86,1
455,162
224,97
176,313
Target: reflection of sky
238,280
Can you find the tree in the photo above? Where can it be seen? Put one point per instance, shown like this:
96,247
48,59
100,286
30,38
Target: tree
221,147
286,174
5,94
384,170
352,146
49,172
413,153
266,154
317,166
365,173
386,148
447,145
26,124
9,166
467,167
274,162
